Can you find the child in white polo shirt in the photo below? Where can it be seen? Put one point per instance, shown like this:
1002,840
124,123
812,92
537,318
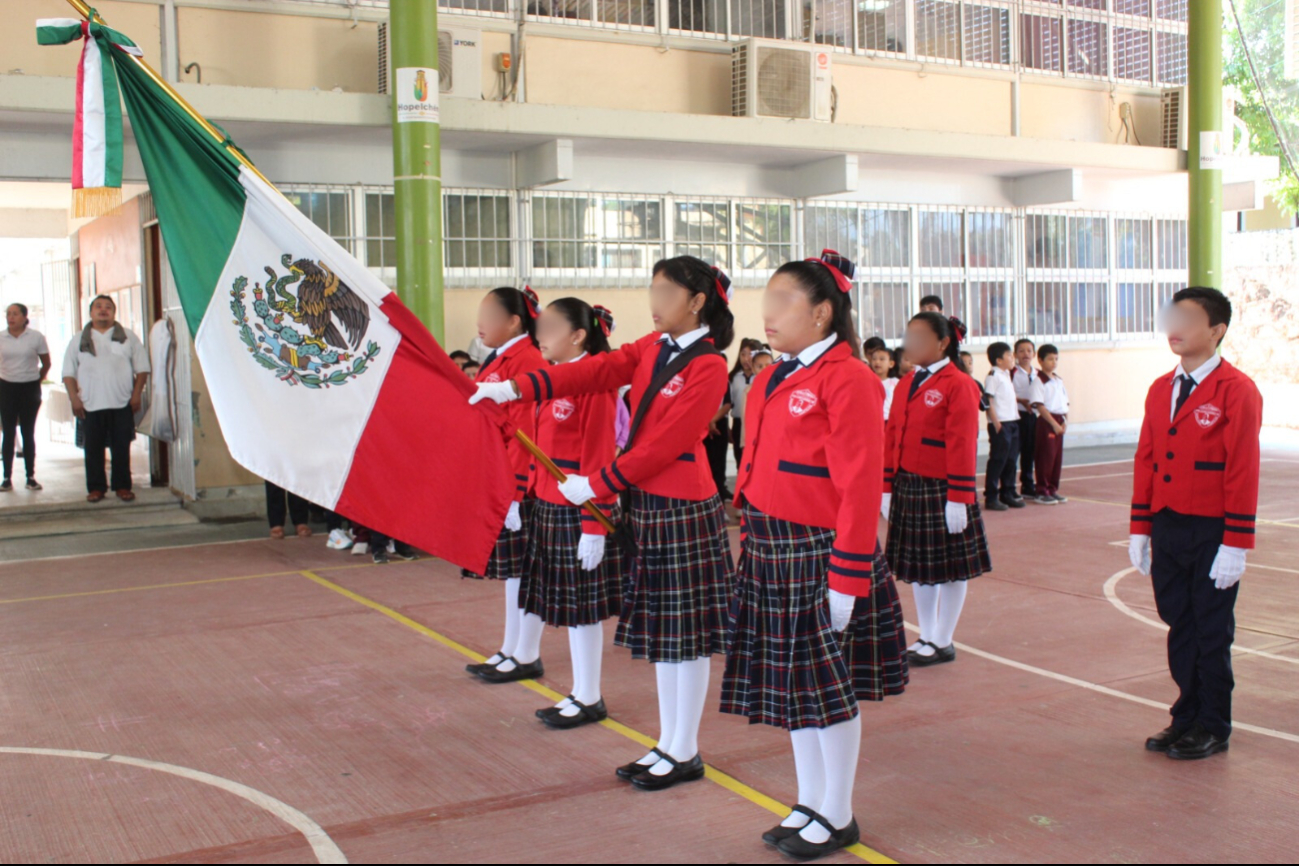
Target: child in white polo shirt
1051,402
1003,432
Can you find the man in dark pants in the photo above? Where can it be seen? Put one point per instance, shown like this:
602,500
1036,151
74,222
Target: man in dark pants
1194,498
1021,376
104,370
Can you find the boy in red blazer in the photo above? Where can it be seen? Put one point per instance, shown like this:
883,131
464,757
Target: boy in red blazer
1194,496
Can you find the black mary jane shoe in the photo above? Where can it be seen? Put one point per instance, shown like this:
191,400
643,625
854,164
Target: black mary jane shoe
1197,743
477,670
627,771
682,771
550,711
780,831
1163,740
800,849
941,654
587,714
530,671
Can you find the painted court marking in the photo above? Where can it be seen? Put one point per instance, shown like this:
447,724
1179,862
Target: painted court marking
713,774
1099,689
1112,594
323,846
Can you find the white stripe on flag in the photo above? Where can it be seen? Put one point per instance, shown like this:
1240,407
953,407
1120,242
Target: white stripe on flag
94,146
301,438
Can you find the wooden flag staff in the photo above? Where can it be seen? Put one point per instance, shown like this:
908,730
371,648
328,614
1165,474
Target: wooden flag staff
549,465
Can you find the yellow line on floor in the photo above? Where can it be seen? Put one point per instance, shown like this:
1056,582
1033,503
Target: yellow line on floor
730,783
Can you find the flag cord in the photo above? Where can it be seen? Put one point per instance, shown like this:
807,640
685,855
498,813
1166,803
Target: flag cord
549,465
84,9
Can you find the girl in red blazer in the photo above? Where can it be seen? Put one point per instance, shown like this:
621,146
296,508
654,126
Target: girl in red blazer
816,623
674,610
574,579
507,324
936,540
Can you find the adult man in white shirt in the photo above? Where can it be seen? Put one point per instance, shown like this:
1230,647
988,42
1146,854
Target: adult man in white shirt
105,369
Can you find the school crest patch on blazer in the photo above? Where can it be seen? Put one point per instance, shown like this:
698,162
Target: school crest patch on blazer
562,409
673,387
801,401
492,377
1207,415
933,397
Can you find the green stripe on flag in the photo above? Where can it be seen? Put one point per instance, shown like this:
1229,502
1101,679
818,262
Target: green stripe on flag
195,186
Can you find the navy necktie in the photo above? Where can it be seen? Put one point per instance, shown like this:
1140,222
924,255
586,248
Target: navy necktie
921,375
1188,385
783,369
490,359
665,352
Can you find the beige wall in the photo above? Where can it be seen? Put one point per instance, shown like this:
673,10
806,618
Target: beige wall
18,48
1053,111
213,465
872,96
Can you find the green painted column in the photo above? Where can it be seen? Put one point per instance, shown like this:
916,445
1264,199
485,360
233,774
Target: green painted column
1204,85
417,158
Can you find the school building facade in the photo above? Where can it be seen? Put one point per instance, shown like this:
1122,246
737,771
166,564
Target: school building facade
1007,155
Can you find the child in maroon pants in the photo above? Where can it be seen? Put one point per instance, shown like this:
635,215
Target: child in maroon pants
1051,402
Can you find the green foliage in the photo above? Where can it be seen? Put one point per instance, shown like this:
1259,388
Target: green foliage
1263,22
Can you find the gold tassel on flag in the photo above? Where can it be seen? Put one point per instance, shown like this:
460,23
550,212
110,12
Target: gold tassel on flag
95,201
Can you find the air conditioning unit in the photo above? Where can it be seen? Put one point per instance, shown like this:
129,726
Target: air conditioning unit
780,79
460,68
1172,113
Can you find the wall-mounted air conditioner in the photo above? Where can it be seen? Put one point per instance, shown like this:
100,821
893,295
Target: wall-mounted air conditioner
780,79
460,68
1172,114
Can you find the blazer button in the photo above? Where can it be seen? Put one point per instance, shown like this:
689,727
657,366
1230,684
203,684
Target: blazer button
1156,467
1169,455
1168,478
1172,431
748,466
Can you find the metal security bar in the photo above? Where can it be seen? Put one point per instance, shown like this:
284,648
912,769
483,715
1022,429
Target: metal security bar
605,240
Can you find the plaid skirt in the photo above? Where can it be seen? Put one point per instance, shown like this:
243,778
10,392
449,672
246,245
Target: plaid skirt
674,609
510,556
920,549
558,589
785,666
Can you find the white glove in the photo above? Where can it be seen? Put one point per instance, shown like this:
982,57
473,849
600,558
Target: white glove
958,517
1228,566
513,522
1139,553
577,489
497,392
841,605
590,550
885,504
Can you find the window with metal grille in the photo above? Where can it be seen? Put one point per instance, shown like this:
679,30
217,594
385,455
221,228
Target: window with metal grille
1041,42
882,25
1170,57
938,29
1132,54
328,207
595,235
828,22
986,34
476,237
1067,275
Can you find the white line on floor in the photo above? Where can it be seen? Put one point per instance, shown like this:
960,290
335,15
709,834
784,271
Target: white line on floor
1112,594
133,550
323,846
1104,690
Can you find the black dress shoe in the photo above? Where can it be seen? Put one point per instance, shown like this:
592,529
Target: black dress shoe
635,768
1161,741
586,715
682,771
1015,501
780,831
995,505
530,671
477,670
549,711
940,655
1197,743
800,849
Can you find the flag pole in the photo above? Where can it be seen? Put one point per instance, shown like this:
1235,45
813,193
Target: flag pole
84,9
549,465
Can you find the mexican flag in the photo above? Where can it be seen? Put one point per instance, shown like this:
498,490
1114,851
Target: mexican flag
323,381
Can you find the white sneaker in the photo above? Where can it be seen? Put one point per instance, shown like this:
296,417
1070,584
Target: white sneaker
360,548
338,540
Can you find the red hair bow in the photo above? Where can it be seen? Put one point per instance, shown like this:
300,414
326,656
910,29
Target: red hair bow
605,318
534,303
840,267
723,283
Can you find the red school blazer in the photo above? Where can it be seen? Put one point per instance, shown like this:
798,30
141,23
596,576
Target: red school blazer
520,358
815,456
1205,461
578,433
667,458
935,432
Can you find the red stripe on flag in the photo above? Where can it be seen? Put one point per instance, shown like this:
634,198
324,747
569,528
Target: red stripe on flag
78,133
430,469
